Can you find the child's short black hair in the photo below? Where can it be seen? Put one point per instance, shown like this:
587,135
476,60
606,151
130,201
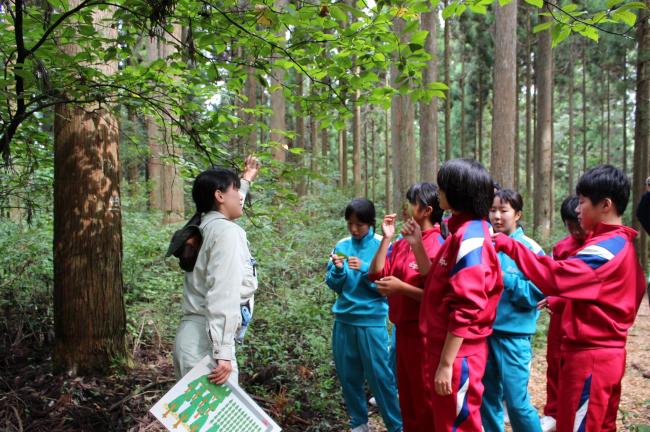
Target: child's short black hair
210,181
568,209
467,185
605,181
426,194
511,197
363,208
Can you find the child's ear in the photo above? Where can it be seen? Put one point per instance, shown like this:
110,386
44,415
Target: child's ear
608,205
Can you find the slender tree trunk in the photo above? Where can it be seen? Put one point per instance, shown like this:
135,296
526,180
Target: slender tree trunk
571,122
356,144
625,113
300,130
173,203
529,83
366,160
609,123
448,154
504,95
388,164
343,156
250,91
154,166
402,135
325,143
429,110
463,150
584,108
479,123
89,315
543,133
602,121
315,150
278,104
642,126
373,148
517,141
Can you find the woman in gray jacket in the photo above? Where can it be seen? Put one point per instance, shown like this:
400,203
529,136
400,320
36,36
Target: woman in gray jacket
224,279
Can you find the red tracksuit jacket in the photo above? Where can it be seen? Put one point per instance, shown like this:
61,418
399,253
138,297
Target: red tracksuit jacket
562,250
402,264
462,288
603,280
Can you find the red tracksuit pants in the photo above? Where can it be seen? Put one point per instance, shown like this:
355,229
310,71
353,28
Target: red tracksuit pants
553,355
460,411
590,389
413,397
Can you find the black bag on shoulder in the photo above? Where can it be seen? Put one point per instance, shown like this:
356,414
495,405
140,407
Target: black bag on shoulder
186,243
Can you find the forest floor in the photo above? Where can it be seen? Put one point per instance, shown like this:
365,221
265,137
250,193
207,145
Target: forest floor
33,398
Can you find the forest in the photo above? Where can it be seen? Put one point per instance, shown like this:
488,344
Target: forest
109,109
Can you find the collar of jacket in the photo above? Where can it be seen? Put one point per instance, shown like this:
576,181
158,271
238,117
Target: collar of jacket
363,242
212,215
603,228
457,220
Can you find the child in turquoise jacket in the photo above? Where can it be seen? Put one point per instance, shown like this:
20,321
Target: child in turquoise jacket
360,338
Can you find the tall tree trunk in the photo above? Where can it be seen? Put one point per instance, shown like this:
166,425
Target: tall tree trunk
543,133
504,95
325,144
366,185
356,143
173,203
571,121
584,108
625,113
463,150
343,157
609,123
89,316
447,48
602,121
387,165
402,135
479,123
154,166
278,104
429,110
529,84
250,91
517,141
642,125
373,149
300,140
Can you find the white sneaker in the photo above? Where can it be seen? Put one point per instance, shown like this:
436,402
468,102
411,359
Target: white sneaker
361,428
548,424
372,401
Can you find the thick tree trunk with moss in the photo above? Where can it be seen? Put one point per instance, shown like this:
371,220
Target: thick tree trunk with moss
89,316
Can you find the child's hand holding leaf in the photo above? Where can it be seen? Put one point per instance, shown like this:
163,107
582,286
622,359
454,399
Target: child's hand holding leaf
354,263
338,259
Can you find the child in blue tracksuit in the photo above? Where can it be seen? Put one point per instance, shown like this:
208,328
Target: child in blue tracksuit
510,352
360,338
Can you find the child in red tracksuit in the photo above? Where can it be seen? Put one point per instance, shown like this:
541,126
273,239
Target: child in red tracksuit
395,270
605,284
461,293
562,250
